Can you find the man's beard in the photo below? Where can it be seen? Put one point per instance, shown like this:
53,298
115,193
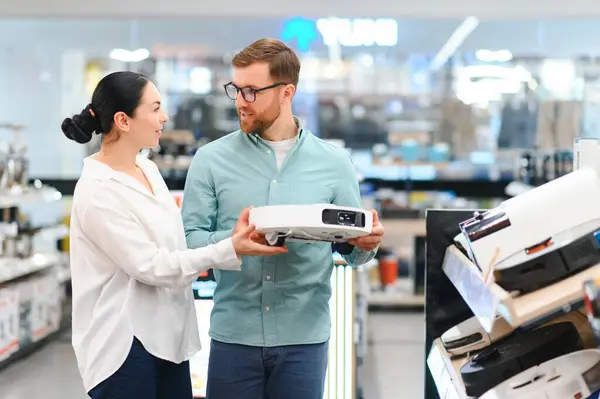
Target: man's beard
260,123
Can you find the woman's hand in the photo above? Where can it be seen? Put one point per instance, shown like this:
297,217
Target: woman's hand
247,242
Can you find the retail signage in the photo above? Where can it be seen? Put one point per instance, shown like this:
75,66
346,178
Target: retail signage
345,32
358,31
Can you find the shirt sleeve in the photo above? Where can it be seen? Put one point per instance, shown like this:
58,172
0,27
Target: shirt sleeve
348,194
200,207
120,235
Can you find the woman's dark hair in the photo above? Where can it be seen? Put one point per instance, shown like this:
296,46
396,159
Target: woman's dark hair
116,92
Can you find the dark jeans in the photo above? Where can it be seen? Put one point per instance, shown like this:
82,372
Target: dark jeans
145,376
286,372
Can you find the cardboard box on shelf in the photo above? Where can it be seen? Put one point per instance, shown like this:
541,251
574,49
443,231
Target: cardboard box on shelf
9,322
45,307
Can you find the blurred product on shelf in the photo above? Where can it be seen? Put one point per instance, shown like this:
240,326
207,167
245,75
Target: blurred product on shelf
559,123
14,165
388,268
457,127
518,123
591,299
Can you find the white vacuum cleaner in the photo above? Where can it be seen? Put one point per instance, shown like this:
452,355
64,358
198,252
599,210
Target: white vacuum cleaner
469,336
540,236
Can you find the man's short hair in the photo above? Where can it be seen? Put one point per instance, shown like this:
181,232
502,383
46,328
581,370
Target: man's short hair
284,65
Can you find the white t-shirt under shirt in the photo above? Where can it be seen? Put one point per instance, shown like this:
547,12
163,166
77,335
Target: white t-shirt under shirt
282,148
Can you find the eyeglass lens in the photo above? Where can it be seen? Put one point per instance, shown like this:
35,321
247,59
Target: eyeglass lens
247,93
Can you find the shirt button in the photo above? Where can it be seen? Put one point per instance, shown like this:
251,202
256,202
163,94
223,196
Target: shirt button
267,308
269,152
268,277
274,181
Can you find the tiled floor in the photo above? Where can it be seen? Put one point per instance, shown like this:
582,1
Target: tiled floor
394,368
396,357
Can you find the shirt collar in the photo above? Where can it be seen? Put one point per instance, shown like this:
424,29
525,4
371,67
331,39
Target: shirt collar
96,170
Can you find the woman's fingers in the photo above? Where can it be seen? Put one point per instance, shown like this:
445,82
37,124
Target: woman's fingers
259,238
268,250
243,219
248,230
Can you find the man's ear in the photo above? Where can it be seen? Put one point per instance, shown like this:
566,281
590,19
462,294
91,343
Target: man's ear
288,93
121,121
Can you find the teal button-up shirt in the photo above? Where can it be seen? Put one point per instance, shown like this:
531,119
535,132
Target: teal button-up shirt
280,300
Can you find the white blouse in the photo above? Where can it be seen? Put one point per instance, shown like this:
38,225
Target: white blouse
132,271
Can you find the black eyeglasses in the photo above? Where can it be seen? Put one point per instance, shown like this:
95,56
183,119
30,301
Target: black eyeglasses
248,93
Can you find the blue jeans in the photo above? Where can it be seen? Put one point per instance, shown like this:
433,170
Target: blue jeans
145,376
285,372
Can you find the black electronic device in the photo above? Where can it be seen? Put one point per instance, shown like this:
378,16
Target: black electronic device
517,353
564,256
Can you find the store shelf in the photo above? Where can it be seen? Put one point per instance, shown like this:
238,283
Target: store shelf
476,188
32,195
470,188
56,232
398,295
13,268
407,227
487,300
446,372
384,299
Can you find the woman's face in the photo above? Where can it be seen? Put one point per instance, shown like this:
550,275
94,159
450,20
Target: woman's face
149,118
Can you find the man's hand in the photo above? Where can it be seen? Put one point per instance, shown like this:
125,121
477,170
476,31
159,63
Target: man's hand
370,242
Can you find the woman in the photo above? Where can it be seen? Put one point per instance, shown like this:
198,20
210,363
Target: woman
134,321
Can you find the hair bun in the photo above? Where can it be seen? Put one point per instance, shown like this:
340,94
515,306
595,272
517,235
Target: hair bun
81,127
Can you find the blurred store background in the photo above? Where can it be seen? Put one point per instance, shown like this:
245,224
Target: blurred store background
459,112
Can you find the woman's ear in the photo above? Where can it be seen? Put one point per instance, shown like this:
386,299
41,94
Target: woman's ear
121,121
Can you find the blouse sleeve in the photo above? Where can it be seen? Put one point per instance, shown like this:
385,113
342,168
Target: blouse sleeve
121,237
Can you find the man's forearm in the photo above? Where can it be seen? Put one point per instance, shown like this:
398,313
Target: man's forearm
202,238
359,257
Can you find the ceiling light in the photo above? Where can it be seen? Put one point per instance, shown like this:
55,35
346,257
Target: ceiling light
493,56
123,55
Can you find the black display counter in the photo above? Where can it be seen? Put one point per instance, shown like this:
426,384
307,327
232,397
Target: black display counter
462,188
444,306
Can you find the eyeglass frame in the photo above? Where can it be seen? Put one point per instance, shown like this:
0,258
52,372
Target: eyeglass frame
254,91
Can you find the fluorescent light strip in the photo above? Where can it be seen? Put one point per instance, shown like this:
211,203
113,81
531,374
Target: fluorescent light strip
351,332
339,379
348,335
333,340
326,394
454,42
340,333
124,55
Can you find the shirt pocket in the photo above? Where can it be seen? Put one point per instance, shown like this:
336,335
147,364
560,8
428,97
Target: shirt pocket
310,193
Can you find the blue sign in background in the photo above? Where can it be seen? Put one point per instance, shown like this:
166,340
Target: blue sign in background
299,31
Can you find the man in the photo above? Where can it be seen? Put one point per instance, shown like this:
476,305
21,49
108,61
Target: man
270,324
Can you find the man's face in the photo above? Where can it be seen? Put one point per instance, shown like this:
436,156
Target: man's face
257,116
